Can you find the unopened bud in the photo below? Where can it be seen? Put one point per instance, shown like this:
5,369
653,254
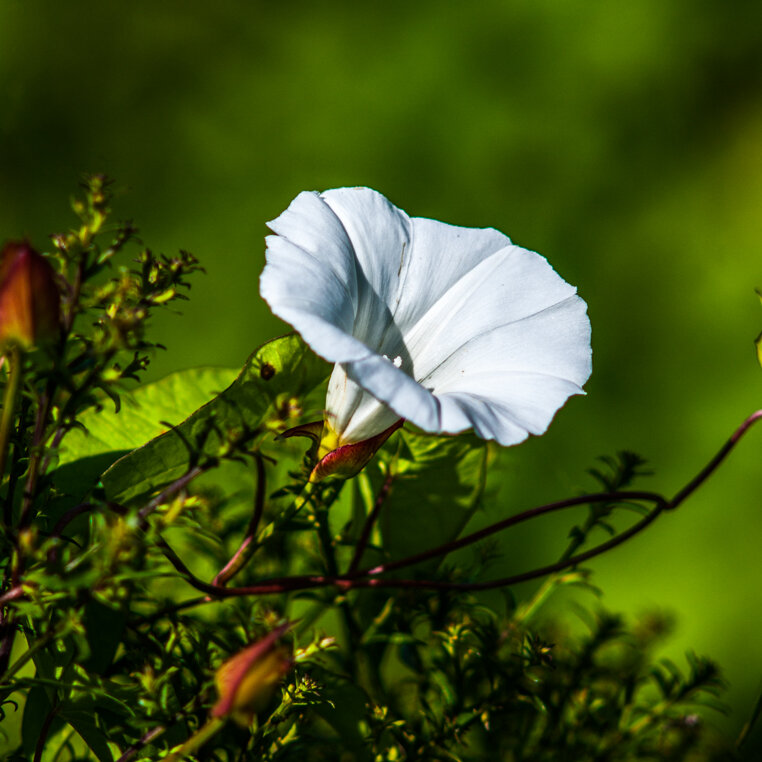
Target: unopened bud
30,303
247,681
334,459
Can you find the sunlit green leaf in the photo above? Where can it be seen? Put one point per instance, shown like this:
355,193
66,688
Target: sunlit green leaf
273,381
144,414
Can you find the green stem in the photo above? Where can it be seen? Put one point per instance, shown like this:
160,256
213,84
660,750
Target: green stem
15,371
201,736
370,522
755,715
365,672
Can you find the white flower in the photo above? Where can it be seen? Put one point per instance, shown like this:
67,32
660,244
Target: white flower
450,328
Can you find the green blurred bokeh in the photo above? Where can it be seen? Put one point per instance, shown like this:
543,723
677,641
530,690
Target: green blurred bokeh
621,140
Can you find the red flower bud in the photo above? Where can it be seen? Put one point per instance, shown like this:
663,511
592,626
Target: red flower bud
247,680
30,303
337,460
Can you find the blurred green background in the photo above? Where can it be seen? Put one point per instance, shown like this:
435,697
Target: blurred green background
621,140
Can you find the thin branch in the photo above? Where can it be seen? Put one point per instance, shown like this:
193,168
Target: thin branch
710,467
172,489
247,547
346,582
144,741
370,522
370,579
44,730
518,518
11,595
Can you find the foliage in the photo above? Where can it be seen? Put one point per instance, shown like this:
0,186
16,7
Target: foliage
129,511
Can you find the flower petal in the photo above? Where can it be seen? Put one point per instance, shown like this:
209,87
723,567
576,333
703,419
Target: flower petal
448,327
554,341
441,255
510,314
509,286
354,413
380,235
310,281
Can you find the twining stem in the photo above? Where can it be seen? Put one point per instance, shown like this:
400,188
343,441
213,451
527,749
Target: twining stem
151,735
756,713
63,522
710,467
43,733
370,522
469,539
15,372
172,489
370,578
248,546
364,579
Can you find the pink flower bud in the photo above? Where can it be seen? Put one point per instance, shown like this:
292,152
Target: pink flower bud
247,680
30,303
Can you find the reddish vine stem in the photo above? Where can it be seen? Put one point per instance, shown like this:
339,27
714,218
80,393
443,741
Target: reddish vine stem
363,579
369,578
370,522
246,549
144,741
710,467
518,518
12,595
172,489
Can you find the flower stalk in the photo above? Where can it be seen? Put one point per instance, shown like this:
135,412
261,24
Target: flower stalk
15,360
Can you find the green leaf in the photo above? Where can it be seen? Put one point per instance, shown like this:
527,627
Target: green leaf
273,382
104,627
84,724
36,710
145,411
438,482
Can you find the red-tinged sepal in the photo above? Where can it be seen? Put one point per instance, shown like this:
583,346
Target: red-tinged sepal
313,431
247,680
345,461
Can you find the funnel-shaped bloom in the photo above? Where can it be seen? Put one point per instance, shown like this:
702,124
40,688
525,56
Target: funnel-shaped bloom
451,328
29,298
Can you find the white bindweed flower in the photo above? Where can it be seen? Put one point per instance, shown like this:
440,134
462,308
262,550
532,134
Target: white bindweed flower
450,328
